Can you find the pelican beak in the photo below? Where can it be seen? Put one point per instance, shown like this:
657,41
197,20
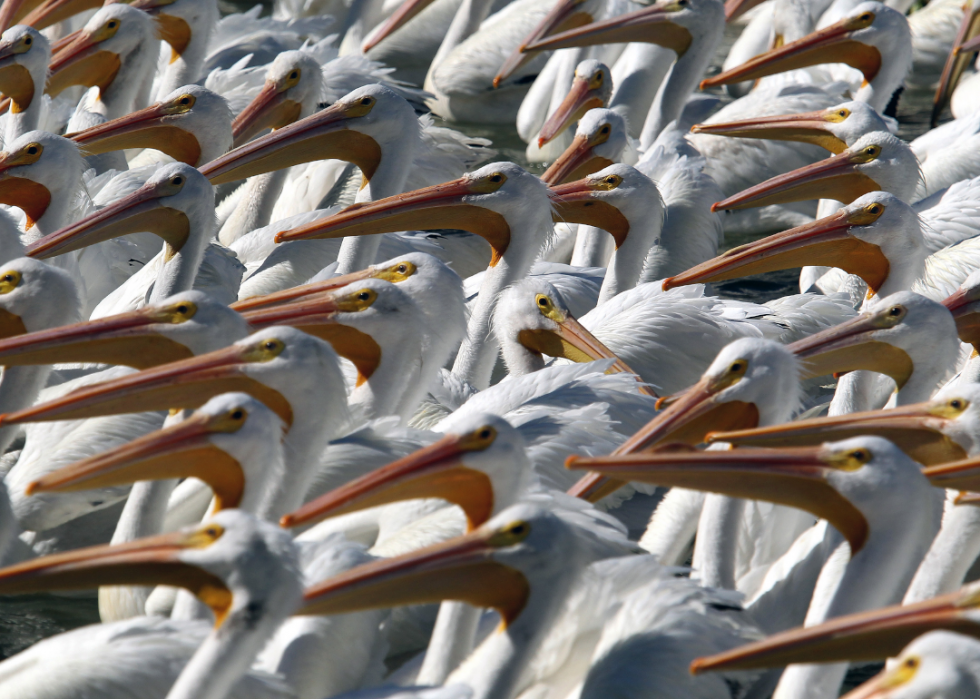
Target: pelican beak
964,304
319,316
577,202
174,30
179,451
33,198
565,15
83,62
47,12
831,44
736,8
185,384
13,11
794,477
874,635
959,59
461,568
439,206
321,136
686,420
394,273
154,560
15,80
270,109
915,429
885,683
583,96
650,25
399,18
144,210
128,339
828,241
151,127
808,127
851,346
838,177
958,475
435,471
578,160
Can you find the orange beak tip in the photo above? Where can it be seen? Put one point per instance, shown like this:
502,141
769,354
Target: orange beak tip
570,461
715,207
278,237
541,142
286,521
695,668
32,488
496,82
667,285
660,401
704,84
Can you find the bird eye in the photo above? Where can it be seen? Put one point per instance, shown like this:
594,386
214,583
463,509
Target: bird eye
604,129
271,345
543,301
867,17
32,150
28,40
518,529
896,311
182,309
111,24
364,296
842,113
401,268
735,367
366,101
294,75
496,177
859,455
238,414
177,180
485,433
911,663
874,209
956,403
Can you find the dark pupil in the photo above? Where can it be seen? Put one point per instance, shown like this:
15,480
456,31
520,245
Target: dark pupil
112,25
874,209
605,129
736,367
28,41
866,17
843,113
519,529
895,311
955,404
366,100
485,434
182,309
32,150
212,532
177,180
543,302
402,268
293,75
495,178
858,455
184,100
364,296
270,345
8,277
871,151
611,180
237,415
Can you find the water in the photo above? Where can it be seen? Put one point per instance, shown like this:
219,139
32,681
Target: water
25,620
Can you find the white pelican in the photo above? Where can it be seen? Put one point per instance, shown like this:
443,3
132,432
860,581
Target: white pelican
591,89
247,571
191,125
866,487
24,57
500,202
692,30
871,37
600,141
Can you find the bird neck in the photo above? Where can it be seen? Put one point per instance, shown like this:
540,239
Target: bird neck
17,124
128,89
681,80
466,22
381,393
478,352
228,651
255,206
519,360
627,262
19,388
179,269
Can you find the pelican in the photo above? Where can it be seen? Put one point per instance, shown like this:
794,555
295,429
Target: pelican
869,516
495,202
872,38
191,125
591,89
24,57
600,140
246,571
692,30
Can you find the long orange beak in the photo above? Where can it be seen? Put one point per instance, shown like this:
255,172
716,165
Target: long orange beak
916,429
185,384
144,128
686,420
435,471
964,304
460,569
321,136
827,241
794,477
82,62
958,475
143,210
576,202
394,273
129,339
578,161
831,44
47,12
850,346
565,15
154,560
439,206
270,109
808,127
13,11
960,57
836,177
319,316
183,450
582,97
650,25
398,19
874,635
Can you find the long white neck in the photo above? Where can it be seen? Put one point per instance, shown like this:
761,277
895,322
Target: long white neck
255,207
228,652
466,22
389,179
451,642
950,557
19,388
179,271
626,264
187,67
380,394
478,352
593,247
121,96
676,88
519,359
16,125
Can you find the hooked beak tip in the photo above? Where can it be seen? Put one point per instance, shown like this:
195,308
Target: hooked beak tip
279,237
32,487
570,461
287,521
496,81
541,142
715,207
667,285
